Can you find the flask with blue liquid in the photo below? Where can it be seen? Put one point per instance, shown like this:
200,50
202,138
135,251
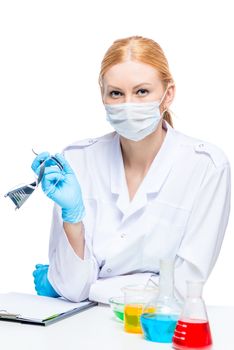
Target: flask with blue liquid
159,325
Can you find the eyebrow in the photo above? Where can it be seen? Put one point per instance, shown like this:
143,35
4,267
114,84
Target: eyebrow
115,87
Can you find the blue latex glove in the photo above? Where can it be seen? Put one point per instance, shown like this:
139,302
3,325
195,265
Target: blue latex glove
61,186
42,284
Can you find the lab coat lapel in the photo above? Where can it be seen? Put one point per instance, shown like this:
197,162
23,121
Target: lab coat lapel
123,203
163,162
119,184
138,202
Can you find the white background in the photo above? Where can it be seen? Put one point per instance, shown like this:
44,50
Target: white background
50,55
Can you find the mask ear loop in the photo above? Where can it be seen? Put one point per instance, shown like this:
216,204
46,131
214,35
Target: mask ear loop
163,96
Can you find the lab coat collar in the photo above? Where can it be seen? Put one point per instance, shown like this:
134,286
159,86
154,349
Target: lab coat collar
153,180
117,175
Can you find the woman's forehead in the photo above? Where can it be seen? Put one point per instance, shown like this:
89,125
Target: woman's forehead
132,72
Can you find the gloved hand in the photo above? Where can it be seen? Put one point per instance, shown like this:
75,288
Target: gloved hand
42,284
61,186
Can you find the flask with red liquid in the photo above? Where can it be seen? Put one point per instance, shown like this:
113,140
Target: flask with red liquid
193,330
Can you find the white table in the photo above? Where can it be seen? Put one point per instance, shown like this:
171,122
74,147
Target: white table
97,328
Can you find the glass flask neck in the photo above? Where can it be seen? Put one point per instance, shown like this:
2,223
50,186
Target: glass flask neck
194,289
194,306
166,279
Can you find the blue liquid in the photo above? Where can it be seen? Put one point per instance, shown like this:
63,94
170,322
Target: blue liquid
158,328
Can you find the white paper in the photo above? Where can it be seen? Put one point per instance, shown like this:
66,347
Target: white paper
35,307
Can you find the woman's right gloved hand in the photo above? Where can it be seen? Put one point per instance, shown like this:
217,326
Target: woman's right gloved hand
61,185
42,284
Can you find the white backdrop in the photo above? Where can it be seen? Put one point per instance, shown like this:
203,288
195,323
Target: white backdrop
50,54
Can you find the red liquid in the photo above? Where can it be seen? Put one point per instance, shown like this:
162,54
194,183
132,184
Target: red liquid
193,334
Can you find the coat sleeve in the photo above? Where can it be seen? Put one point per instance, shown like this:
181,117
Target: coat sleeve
70,275
205,229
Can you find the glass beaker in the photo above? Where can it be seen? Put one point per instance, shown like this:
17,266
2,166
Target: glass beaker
135,298
159,325
193,329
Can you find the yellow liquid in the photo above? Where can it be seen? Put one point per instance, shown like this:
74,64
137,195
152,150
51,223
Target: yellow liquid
132,313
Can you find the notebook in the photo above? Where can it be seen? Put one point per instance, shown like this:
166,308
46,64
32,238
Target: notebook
38,310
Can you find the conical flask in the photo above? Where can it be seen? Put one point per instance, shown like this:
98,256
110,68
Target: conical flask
159,325
193,329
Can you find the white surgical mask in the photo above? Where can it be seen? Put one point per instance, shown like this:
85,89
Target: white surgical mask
134,121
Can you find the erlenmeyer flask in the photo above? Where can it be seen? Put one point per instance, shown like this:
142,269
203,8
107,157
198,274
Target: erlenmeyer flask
159,325
193,329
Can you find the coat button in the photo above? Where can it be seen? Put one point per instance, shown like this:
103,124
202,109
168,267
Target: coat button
200,147
108,270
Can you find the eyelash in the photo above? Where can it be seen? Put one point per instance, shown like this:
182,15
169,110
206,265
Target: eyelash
114,91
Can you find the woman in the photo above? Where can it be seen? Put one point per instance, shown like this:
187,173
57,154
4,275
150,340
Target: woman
127,199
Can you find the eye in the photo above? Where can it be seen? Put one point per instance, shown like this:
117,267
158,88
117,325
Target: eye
142,92
115,94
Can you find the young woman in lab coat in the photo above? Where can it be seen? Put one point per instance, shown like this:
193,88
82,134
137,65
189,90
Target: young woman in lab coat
127,199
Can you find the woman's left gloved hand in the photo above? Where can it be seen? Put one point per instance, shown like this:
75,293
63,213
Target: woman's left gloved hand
42,284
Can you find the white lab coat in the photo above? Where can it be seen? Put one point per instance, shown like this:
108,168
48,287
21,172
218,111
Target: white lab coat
180,211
